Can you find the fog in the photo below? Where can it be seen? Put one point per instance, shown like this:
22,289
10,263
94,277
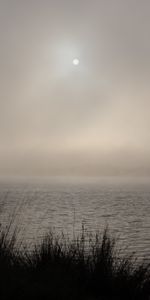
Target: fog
57,118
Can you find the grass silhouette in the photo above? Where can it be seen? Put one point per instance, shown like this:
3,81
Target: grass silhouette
58,268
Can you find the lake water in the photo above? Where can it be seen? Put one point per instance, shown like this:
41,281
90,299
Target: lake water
64,204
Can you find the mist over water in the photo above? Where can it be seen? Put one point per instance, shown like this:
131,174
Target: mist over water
58,119
65,203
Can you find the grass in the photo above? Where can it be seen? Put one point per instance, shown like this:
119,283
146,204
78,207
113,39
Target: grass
84,268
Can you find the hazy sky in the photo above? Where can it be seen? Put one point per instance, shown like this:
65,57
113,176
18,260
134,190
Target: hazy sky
57,118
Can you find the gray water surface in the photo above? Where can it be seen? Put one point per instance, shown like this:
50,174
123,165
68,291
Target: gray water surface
64,204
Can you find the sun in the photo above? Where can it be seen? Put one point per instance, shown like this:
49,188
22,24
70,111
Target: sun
75,61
